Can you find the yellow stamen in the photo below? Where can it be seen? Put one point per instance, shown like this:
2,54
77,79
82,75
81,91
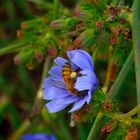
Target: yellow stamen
73,74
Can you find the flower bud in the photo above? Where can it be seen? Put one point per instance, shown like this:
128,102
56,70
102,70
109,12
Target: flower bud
85,39
82,14
100,4
113,12
113,72
99,24
20,34
113,39
109,127
23,56
31,24
59,24
80,27
26,35
132,134
24,25
39,56
107,106
29,66
44,20
52,52
17,59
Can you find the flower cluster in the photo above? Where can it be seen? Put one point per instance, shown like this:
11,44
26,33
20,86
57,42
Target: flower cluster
72,81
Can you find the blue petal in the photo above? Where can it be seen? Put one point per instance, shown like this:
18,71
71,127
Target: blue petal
59,104
88,97
81,102
27,137
54,93
78,105
55,71
87,82
38,136
60,61
81,58
49,81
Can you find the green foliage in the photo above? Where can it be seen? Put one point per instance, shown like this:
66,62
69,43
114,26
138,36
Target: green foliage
117,134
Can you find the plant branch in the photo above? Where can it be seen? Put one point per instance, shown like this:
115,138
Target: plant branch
11,48
93,132
136,44
121,76
131,113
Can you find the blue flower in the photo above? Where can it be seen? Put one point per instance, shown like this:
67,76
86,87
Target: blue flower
71,81
38,136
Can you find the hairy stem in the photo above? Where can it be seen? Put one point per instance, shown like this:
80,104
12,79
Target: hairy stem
107,81
56,9
11,48
121,76
112,94
93,132
131,113
136,44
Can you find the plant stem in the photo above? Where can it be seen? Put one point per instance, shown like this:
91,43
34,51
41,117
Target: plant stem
93,132
112,94
11,48
136,44
107,81
25,125
56,8
121,76
131,113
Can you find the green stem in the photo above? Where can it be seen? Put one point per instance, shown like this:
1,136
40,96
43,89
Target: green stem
121,76
11,48
56,8
131,113
20,131
22,4
136,44
93,132
112,94
116,2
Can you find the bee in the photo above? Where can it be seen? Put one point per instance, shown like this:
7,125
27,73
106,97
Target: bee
66,72
69,77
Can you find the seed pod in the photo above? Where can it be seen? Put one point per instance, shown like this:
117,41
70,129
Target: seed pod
107,106
113,12
23,56
109,126
99,24
85,39
31,24
39,56
113,39
59,23
132,134
113,72
82,14
52,52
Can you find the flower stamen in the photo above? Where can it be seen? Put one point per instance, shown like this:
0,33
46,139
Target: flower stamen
73,75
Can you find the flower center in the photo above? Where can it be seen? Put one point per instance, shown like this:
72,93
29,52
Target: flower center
69,77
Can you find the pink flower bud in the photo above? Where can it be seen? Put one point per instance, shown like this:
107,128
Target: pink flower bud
39,56
99,24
